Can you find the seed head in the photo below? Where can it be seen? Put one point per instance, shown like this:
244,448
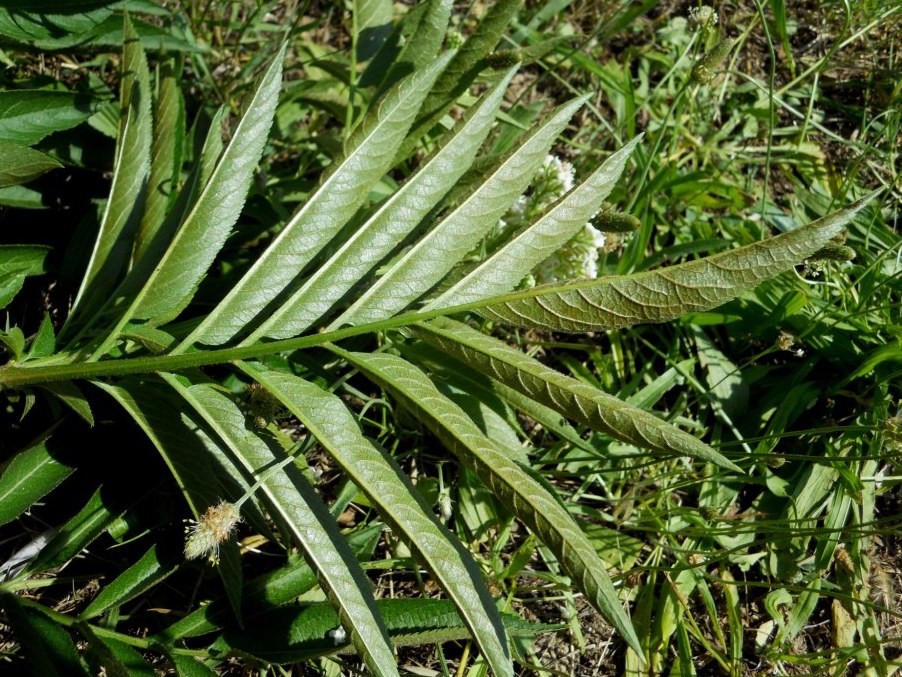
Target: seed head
214,527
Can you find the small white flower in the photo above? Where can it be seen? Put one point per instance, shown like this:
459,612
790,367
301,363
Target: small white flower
338,636
702,17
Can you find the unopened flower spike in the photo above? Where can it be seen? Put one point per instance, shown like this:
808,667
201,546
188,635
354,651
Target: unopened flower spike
213,528
705,68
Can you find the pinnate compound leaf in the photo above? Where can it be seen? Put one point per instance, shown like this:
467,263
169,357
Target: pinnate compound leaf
390,224
21,164
574,399
216,210
343,189
28,115
502,271
390,490
291,496
112,248
31,475
665,294
435,254
526,497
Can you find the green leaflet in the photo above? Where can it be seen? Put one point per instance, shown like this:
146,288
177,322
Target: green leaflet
389,225
664,294
28,115
112,248
502,271
150,569
434,255
16,263
521,493
462,71
216,210
423,44
329,420
372,26
369,154
70,394
31,475
21,164
301,509
165,161
572,398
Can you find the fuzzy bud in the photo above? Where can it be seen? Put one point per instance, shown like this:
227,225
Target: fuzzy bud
504,58
705,68
610,221
214,527
833,251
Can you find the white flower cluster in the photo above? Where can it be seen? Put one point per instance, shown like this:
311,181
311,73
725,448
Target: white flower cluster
702,17
579,257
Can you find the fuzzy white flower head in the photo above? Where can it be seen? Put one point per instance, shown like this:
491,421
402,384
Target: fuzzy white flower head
702,17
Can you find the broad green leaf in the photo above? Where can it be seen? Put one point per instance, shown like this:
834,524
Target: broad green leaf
153,567
389,489
502,271
343,189
165,160
436,253
578,401
20,197
290,495
16,263
44,342
112,658
21,164
112,248
31,475
527,498
70,394
189,666
28,115
310,629
216,210
664,294
24,24
462,71
389,225
46,645
372,25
